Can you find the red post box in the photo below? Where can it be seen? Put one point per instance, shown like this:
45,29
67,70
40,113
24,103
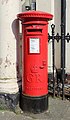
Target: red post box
34,60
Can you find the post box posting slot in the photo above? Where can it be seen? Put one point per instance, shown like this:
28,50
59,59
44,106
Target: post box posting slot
34,31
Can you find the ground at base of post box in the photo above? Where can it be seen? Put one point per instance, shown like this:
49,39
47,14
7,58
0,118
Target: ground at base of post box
58,110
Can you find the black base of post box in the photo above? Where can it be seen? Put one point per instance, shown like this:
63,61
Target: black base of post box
34,104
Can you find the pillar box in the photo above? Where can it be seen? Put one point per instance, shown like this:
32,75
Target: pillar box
34,96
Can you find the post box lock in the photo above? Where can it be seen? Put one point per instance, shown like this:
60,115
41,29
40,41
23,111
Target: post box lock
43,64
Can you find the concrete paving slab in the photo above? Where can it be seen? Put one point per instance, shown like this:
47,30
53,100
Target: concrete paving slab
58,110
6,115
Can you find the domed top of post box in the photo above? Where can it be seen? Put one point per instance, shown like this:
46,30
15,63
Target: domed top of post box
34,14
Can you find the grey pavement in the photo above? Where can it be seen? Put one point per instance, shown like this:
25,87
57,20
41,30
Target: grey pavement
58,110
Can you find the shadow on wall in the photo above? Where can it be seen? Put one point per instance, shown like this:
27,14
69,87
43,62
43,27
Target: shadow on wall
15,30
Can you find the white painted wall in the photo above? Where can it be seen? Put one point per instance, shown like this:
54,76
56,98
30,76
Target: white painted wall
8,45
57,22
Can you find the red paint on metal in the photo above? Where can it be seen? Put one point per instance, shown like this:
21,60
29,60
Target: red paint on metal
35,52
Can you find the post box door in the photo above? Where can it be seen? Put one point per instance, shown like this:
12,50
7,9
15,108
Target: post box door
35,63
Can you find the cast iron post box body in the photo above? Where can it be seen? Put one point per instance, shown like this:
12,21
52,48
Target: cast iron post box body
34,60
